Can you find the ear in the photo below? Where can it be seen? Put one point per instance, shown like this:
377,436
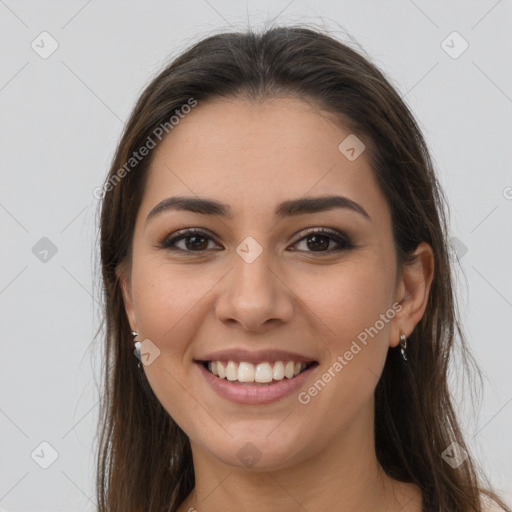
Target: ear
412,293
123,275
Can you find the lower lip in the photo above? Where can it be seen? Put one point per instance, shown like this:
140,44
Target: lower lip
256,393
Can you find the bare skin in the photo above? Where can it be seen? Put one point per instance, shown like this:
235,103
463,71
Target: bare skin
295,296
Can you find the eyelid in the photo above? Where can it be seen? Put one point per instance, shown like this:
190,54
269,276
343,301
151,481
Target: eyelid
322,230
183,233
188,231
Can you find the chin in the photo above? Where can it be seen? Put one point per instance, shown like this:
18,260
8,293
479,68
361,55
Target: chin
260,452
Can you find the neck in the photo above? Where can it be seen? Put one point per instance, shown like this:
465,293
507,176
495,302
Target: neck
346,473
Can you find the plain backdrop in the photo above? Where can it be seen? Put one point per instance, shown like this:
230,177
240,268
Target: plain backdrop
61,118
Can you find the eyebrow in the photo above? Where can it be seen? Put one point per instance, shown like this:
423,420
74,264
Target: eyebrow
288,208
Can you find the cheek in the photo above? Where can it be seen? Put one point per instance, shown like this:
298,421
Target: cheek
346,309
168,300
347,300
168,304
352,311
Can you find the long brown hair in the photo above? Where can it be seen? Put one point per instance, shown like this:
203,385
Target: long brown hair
144,459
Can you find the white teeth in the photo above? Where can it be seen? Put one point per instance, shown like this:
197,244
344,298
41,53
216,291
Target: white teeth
289,370
231,371
246,372
261,373
278,372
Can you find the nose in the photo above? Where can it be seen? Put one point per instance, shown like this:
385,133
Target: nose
254,296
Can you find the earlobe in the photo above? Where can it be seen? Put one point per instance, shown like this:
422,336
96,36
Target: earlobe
124,284
413,293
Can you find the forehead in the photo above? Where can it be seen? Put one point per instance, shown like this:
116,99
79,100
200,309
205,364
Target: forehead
255,154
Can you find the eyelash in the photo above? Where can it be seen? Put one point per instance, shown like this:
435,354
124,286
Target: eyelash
332,234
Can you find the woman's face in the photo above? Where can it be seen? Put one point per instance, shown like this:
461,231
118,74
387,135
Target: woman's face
252,288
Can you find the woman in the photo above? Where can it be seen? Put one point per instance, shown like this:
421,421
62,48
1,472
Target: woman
273,237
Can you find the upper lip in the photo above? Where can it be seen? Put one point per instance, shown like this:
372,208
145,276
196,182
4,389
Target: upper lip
254,356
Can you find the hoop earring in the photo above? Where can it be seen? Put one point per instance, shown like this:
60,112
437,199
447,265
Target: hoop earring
403,346
137,347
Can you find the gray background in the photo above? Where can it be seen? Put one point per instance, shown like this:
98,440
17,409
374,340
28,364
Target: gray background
61,119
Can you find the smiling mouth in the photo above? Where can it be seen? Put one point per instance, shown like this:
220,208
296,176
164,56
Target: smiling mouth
264,373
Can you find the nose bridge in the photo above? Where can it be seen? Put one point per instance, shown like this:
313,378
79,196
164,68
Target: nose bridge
253,270
253,294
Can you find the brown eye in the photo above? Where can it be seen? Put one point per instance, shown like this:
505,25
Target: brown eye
319,240
194,241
